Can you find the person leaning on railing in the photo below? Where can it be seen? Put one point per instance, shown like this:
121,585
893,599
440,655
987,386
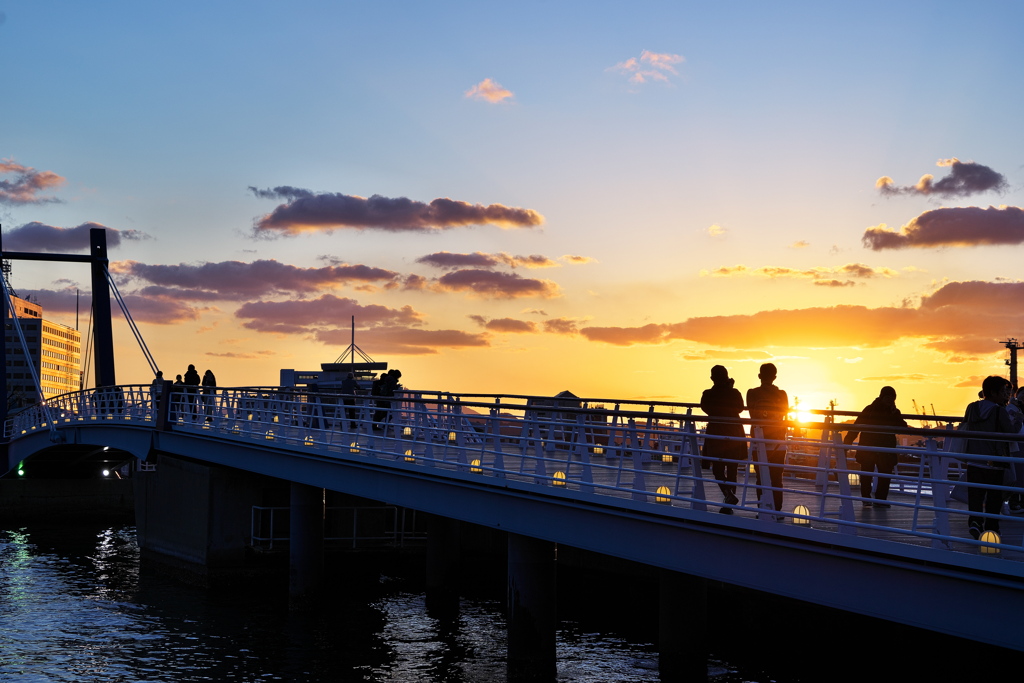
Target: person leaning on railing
988,415
881,412
722,400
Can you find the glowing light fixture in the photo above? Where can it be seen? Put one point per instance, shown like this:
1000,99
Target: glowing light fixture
853,478
475,468
106,473
559,478
308,440
353,447
667,457
452,436
409,457
752,468
270,434
802,513
990,537
663,495
598,450
407,431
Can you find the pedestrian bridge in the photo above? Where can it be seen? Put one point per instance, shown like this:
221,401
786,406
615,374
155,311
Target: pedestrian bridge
614,477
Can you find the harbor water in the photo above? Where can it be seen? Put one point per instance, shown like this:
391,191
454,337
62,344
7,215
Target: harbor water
77,605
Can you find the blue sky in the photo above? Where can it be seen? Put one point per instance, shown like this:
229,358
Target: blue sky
759,144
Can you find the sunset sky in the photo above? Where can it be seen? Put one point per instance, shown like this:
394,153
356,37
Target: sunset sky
608,198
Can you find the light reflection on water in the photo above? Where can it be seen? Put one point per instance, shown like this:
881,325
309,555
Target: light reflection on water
74,607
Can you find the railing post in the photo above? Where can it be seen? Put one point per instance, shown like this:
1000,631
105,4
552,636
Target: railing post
692,448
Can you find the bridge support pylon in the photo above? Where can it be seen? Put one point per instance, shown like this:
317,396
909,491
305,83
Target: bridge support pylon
306,549
532,609
682,627
443,549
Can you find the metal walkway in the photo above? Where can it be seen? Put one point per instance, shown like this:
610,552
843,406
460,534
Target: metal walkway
624,479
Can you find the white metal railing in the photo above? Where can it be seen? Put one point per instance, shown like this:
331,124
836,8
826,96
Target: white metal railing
646,453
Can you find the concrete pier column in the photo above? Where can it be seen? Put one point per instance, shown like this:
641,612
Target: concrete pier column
306,549
532,609
443,543
682,627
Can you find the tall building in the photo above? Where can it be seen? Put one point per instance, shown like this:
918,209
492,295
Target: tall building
54,349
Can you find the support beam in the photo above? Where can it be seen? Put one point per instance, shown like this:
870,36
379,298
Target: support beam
682,627
443,548
306,549
532,609
103,335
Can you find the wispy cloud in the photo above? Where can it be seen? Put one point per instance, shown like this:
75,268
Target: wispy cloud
495,285
576,259
303,316
445,259
821,275
489,91
716,230
964,179
41,237
237,280
505,325
27,184
956,318
968,226
306,211
650,66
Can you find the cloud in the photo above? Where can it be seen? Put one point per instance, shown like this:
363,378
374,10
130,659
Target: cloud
740,356
41,237
576,259
566,326
237,280
954,319
800,244
716,230
952,227
651,66
965,179
241,355
822,275
27,184
404,340
489,90
505,325
495,285
296,317
326,212
445,259
157,310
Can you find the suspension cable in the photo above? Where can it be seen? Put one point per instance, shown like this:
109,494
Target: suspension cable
28,359
131,323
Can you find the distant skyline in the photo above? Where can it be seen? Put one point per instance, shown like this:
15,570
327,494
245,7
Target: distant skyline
602,198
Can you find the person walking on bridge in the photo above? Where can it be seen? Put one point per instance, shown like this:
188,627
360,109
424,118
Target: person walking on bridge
988,415
769,406
722,400
882,412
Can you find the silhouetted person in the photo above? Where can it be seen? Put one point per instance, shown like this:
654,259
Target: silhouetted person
349,387
156,390
177,390
769,405
1016,410
385,388
191,388
882,412
209,392
987,415
722,400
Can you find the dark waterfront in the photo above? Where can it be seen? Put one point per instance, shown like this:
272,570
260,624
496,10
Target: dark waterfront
75,606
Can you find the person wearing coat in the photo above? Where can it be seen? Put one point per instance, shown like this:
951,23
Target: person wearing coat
722,400
882,412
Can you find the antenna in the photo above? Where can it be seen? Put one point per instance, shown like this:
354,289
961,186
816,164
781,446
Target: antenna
1012,344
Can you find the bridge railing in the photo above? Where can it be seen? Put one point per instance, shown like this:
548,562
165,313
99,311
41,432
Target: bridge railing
650,455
